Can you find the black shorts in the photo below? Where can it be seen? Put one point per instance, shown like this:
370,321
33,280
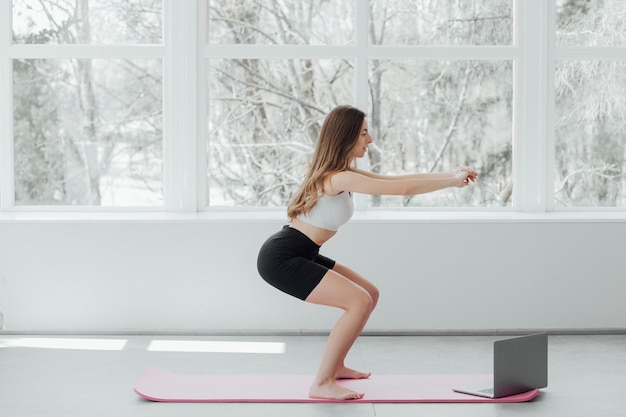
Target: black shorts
290,261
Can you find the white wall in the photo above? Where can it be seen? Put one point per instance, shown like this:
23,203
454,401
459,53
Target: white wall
201,276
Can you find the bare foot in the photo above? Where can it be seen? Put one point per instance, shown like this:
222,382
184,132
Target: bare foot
333,391
347,373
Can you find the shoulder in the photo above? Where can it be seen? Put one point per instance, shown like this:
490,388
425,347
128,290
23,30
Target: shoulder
344,181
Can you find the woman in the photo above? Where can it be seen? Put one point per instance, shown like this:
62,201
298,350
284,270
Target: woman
290,260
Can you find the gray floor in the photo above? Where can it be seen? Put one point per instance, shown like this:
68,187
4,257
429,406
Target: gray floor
39,377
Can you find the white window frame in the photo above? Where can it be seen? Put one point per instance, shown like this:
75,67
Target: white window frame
176,101
361,52
574,53
6,110
185,54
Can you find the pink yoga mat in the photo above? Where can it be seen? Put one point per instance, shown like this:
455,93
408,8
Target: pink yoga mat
159,385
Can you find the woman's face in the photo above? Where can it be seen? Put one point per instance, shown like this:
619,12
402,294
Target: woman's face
363,142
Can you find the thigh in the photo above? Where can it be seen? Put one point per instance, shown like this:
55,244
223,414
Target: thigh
335,290
357,279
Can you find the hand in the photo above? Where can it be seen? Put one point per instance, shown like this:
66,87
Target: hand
465,175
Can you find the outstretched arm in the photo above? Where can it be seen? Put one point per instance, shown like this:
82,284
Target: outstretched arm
364,182
432,175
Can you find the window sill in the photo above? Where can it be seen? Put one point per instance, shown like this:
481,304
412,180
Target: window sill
278,216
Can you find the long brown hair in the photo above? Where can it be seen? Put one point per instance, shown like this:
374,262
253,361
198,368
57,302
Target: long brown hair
333,153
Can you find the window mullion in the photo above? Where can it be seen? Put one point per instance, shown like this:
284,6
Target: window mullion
180,106
597,53
530,125
7,195
361,76
550,102
202,108
86,51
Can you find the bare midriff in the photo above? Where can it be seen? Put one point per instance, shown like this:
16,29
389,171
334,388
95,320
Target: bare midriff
316,234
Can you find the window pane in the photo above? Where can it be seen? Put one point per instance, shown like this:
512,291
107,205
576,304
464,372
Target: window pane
446,22
437,115
590,134
591,23
88,132
264,117
87,21
281,22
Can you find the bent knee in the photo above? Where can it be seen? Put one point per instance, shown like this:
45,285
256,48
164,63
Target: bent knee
375,294
362,303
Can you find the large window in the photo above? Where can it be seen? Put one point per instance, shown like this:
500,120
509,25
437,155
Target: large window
264,112
192,106
86,103
590,123
426,114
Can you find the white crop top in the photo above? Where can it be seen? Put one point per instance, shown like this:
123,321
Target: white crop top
330,211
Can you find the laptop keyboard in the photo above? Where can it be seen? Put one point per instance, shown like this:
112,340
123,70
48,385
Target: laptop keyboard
488,391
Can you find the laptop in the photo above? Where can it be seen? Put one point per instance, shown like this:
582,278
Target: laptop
520,364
